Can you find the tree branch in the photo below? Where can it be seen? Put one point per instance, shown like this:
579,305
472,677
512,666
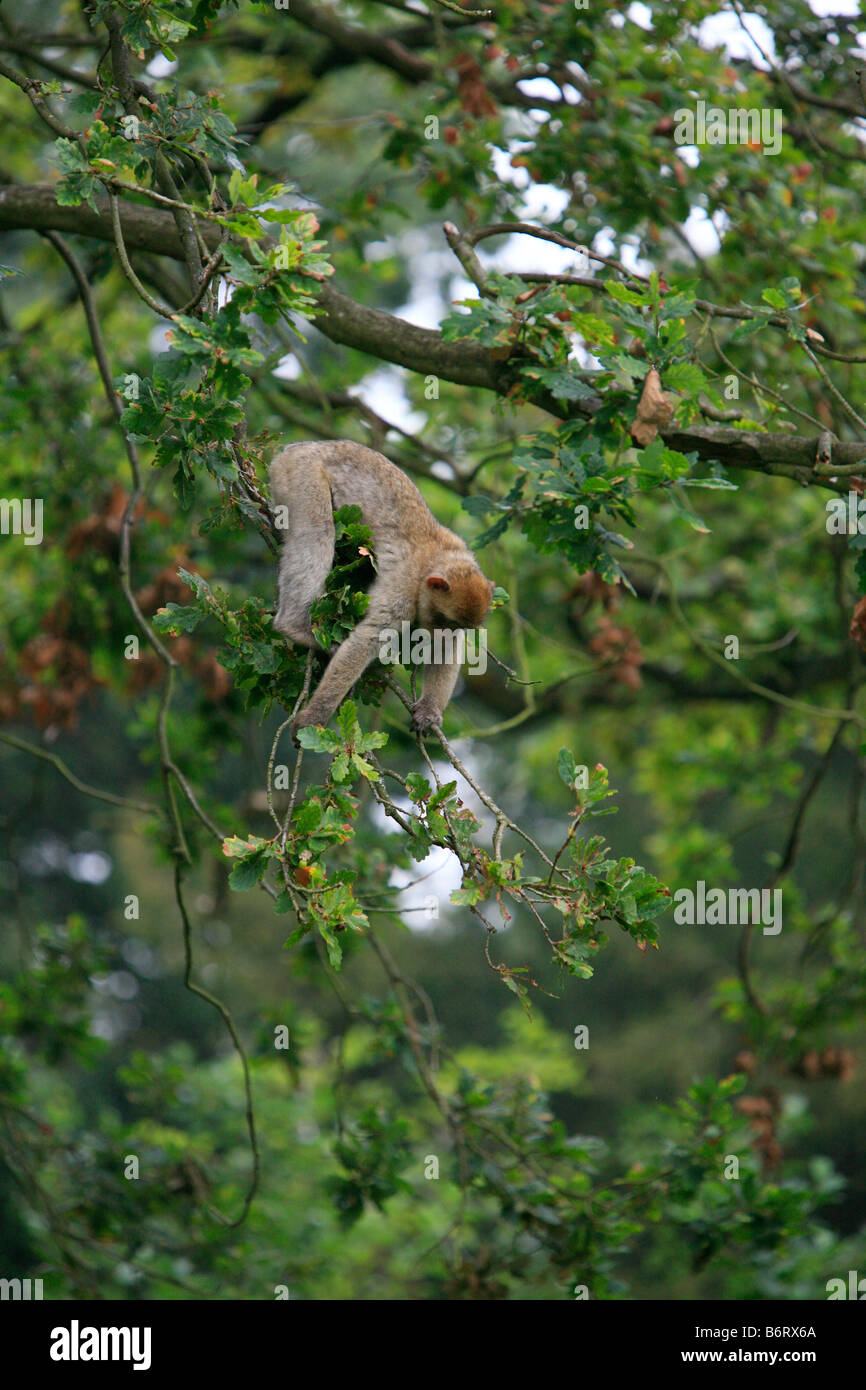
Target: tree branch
421,350
33,90
36,752
380,47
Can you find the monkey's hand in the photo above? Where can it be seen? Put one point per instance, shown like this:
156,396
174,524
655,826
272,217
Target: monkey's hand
306,717
425,714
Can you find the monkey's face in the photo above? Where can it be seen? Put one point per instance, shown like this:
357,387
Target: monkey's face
463,596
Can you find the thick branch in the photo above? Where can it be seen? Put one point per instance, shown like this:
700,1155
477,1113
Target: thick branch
350,43
351,37
421,350
792,455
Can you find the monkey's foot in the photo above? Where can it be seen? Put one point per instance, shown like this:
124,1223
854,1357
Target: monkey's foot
297,633
425,714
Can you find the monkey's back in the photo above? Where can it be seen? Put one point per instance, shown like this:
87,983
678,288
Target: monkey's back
391,504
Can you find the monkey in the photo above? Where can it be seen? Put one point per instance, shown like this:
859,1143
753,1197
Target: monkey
425,573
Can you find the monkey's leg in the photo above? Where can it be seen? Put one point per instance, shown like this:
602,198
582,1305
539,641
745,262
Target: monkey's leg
351,658
437,688
301,488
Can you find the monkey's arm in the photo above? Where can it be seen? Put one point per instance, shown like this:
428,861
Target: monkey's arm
440,679
390,603
349,660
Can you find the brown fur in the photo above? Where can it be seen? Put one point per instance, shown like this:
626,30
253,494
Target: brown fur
426,573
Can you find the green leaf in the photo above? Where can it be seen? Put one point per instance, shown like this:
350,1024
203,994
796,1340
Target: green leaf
340,767
418,787
563,384
750,327
248,872
774,297
347,720
308,816
318,739
173,619
364,768
685,377
443,794
566,766
467,897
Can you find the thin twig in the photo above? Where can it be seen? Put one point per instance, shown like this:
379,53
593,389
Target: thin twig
229,1022
127,268
76,782
32,89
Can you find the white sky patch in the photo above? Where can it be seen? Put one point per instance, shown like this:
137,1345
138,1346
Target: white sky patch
690,155
446,872
288,368
461,288
160,66
541,201
721,222
604,243
384,822
641,15
539,87
119,983
427,901
428,263
502,166
523,253
725,30
822,7
702,232
425,308
384,390
157,339
443,470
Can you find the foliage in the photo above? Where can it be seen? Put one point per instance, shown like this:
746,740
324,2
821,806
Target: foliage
651,322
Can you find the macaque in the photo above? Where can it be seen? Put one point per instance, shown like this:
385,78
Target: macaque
426,574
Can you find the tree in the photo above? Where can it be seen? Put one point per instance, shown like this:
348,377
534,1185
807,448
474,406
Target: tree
214,220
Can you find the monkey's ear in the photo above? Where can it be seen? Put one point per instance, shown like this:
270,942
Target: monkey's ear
491,586
436,581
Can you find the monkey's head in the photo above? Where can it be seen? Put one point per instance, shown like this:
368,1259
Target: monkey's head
459,592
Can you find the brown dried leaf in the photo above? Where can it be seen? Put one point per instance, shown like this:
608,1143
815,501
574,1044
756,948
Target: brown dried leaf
654,410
